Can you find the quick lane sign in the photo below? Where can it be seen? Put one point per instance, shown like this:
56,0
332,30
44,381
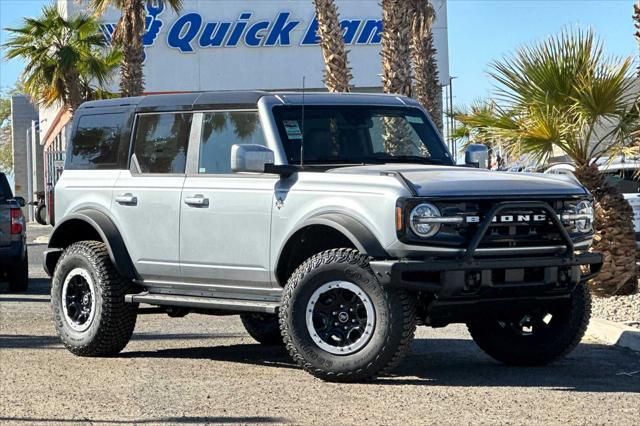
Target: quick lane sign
191,30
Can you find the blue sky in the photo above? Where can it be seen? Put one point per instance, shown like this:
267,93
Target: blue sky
480,31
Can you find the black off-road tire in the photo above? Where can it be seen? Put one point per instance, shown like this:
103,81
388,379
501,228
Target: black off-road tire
41,214
540,348
19,276
394,324
113,321
264,328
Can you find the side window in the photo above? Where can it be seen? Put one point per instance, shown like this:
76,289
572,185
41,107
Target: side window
221,130
161,142
96,142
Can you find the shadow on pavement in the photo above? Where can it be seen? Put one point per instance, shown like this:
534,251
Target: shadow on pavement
255,354
456,362
20,341
37,287
170,420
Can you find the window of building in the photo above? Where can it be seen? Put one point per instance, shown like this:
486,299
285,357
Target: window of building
161,142
220,131
97,140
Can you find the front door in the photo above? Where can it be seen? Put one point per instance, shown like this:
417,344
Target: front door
225,218
146,199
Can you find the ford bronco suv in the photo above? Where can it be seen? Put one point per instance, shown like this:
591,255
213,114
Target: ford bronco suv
14,264
331,223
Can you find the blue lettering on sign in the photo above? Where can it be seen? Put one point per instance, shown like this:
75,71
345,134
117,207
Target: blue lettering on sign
280,33
191,28
183,31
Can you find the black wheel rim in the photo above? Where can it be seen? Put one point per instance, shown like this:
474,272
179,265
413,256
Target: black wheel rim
78,299
340,318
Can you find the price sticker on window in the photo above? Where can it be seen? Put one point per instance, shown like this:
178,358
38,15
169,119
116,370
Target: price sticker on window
293,130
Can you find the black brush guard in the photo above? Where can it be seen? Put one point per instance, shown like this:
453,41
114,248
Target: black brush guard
470,281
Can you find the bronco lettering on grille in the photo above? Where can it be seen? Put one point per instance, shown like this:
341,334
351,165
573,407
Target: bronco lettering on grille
512,218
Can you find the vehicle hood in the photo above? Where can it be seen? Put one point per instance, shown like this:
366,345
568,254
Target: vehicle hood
447,181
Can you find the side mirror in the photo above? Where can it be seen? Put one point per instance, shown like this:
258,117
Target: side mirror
21,202
250,158
477,155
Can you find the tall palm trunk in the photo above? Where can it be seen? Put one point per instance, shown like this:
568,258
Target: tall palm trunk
73,91
128,35
636,18
427,88
614,237
396,46
337,74
396,67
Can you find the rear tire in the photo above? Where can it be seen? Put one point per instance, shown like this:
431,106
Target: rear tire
339,323
41,214
19,276
264,328
536,338
87,300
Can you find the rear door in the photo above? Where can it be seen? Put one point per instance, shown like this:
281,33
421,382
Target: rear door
146,198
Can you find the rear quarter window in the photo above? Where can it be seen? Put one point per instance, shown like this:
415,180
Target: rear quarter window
98,143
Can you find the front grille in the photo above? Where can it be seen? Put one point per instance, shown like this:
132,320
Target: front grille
523,230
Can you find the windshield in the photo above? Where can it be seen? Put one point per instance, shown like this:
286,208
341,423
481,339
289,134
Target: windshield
359,134
625,181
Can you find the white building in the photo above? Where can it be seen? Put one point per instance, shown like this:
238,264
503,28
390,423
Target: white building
244,44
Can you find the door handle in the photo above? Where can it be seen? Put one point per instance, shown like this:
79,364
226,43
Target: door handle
127,199
197,201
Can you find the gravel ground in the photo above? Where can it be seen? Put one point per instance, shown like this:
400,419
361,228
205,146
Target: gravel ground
201,369
624,309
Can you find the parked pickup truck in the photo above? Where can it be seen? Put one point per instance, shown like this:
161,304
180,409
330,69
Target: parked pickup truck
331,223
14,265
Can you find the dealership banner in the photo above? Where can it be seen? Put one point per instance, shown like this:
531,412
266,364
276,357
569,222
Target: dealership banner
256,44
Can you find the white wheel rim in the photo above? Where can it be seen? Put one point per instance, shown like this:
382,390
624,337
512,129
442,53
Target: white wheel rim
347,331
78,277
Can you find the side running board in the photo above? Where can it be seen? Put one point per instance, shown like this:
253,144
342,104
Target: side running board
203,303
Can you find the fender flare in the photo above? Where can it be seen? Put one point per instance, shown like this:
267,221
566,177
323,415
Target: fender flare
359,235
108,232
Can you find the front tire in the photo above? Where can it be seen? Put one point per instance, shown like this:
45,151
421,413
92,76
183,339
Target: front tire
19,276
339,323
537,338
264,328
87,300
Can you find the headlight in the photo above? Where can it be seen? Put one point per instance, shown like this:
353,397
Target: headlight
580,216
422,220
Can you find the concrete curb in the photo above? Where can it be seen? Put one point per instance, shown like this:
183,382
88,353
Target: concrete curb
614,333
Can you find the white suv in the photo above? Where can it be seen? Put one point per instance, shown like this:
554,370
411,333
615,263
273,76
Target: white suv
332,223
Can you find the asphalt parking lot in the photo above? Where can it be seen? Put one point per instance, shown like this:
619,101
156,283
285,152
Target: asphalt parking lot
201,369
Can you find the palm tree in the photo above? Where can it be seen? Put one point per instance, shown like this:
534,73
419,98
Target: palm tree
67,60
128,35
426,88
565,94
474,126
337,74
636,18
397,18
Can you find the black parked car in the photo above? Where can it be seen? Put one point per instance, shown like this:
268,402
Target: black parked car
14,264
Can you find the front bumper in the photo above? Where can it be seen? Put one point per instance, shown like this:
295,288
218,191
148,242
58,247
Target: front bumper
451,278
461,289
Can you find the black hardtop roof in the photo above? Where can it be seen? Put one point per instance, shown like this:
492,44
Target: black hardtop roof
243,100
